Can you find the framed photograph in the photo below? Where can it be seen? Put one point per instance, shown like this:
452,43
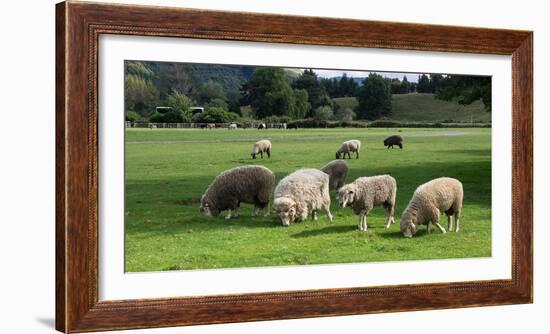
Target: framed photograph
223,167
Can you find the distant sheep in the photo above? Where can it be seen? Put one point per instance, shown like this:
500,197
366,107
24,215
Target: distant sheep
262,126
210,126
442,194
337,171
394,140
347,147
367,192
260,147
292,126
302,192
232,126
245,184
152,126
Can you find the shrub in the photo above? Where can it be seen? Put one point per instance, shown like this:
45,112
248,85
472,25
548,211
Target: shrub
323,113
215,115
132,116
168,117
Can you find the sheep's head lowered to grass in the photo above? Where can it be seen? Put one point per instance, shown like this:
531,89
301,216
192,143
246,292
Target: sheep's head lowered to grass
408,225
207,209
286,210
346,194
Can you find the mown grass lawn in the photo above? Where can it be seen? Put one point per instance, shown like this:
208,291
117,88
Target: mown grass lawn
167,170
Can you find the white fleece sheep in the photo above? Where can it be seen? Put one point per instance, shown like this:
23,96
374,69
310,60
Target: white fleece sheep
244,184
260,147
367,192
302,192
232,126
348,147
337,171
442,194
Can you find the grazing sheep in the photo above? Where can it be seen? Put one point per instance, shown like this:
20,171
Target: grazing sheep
210,126
262,126
232,126
337,171
245,184
347,147
394,140
302,192
260,147
152,126
442,194
367,192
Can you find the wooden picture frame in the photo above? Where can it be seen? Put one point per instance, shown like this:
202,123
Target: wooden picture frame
78,27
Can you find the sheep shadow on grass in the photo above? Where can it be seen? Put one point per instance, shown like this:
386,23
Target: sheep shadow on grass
326,230
399,235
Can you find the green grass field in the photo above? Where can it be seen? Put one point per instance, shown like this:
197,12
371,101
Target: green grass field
425,108
167,170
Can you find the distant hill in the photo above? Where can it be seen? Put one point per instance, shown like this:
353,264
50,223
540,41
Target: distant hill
231,77
425,108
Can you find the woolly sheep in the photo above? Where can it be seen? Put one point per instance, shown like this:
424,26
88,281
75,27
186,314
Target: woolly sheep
302,192
260,147
367,192
394,140
232,126
442,194
244,184
337,171
347,147
262,126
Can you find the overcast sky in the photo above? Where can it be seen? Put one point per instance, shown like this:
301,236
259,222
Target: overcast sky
413,77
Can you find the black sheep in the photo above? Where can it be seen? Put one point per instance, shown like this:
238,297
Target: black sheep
394,140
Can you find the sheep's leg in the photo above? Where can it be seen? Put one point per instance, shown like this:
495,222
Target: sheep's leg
314,214
268,153
457,221
228,216
266,210
449,223
256,210
329,215
361,221
356,155
236,214
441,228
428,228
390,220
262,154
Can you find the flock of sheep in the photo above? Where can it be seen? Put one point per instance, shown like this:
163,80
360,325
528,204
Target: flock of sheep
306,191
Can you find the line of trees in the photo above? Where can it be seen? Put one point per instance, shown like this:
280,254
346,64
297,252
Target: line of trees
274,93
